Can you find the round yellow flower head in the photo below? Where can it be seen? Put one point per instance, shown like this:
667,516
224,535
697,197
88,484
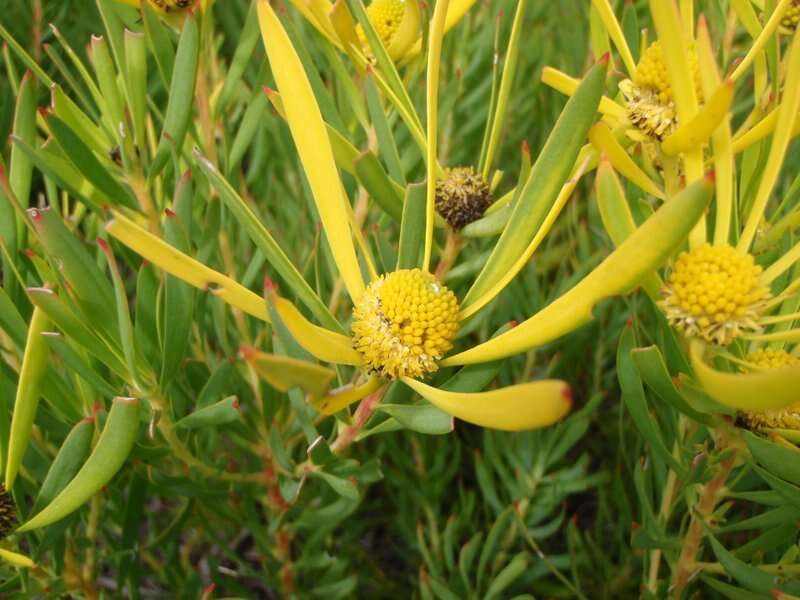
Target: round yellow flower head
715,293
386,16
404,323
649,95
791,17
786,418
397,23
462,196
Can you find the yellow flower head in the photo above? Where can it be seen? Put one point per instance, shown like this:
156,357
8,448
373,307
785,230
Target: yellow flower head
386,16
648,93
462,196
787,418
792,16
404,323
397,26
715,293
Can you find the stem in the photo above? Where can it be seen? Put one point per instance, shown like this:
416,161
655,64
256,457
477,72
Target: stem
664,511
166,427
360,418
449,254
712,492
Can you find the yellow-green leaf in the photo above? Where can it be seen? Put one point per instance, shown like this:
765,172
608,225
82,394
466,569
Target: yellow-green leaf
627,267
321,343
513,408
337,399
311,138
175,262
284,373
760,390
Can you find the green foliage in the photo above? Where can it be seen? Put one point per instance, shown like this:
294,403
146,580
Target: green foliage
148,454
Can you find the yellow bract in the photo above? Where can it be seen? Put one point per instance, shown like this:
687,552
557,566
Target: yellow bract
404,323
715,293
787,418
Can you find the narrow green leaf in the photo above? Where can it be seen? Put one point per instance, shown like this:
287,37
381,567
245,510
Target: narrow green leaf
65,465
412,229
551,170
266,243
34,366
113,447
181,96
220,413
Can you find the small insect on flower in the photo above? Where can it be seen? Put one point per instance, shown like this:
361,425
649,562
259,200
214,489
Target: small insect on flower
715,293
8,513
462,196
786,418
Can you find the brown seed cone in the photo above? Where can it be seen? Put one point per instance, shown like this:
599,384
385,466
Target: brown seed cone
462,196
8,513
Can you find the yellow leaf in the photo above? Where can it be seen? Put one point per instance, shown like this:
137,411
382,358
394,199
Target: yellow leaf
284,373
16,559
631,263
720,139
513,408
758,44
567,85
313,146
344,396
761,390
432,105
602,138
455,12
322,343
175,262
690,135
612,25
787,114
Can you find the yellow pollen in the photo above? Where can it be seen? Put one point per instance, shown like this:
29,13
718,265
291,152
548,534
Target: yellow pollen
786,418
792,16
715,293
385,17
404,323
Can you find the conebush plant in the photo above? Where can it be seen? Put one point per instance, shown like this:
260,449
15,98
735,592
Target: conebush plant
398,299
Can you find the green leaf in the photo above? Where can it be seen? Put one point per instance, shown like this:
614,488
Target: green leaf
34,366
87,164
750,577
779,460
181,96
378,184
65,465
113,447
654,372
424,418
551,170
220,413
343,487
635,400
267,244
412,229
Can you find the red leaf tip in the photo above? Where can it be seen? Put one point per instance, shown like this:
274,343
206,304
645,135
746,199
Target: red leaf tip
605,58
